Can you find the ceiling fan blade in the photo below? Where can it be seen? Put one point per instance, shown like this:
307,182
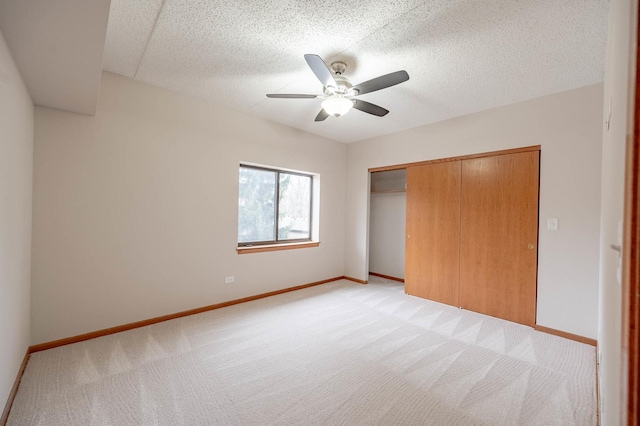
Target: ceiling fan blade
382,82
320,69
322,115
289,96
370,108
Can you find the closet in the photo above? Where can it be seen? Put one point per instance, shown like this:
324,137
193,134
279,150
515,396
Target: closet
472,233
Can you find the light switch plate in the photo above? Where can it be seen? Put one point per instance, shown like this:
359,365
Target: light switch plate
552,224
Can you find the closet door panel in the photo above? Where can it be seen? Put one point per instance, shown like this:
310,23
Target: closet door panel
499,236
433,227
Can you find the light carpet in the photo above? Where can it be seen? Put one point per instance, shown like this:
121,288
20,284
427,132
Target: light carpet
335,354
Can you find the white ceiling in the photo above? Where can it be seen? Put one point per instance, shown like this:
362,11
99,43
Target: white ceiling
462,56
58,47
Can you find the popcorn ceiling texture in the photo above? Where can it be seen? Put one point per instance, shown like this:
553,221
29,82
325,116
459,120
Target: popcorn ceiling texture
463,56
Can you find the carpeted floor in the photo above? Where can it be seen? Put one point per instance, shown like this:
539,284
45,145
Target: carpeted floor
336,354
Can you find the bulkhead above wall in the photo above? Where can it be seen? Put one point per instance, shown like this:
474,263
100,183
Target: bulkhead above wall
58,48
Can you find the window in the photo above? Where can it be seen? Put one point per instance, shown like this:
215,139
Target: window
274,206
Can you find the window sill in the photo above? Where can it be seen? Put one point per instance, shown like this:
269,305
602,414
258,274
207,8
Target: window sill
276,247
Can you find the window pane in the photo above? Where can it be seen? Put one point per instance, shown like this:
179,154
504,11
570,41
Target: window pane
256,205
295,207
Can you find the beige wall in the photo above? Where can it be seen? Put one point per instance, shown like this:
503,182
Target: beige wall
568,126
16,162
620,51
135,209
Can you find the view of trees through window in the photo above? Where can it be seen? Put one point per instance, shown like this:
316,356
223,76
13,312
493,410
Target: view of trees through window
273,206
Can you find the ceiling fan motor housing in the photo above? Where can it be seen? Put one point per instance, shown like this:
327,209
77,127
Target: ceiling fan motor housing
342,82
343,87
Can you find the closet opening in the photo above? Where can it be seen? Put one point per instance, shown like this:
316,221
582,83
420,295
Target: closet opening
387,220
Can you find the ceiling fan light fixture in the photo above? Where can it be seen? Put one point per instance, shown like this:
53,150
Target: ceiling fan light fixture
338,90
337,105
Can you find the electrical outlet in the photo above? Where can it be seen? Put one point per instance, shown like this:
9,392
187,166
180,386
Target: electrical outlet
229,280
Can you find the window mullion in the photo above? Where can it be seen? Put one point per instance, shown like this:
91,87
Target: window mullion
310,207
277,202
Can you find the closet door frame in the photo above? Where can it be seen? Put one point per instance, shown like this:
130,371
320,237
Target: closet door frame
461,157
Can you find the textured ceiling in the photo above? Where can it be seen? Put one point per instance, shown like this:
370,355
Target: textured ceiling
462,56
58,47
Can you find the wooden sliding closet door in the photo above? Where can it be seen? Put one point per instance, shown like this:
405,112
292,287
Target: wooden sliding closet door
433,228
499,236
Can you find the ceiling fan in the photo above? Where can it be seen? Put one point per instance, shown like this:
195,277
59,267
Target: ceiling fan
339,92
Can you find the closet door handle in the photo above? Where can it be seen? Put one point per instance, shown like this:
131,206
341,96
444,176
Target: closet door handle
530,246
